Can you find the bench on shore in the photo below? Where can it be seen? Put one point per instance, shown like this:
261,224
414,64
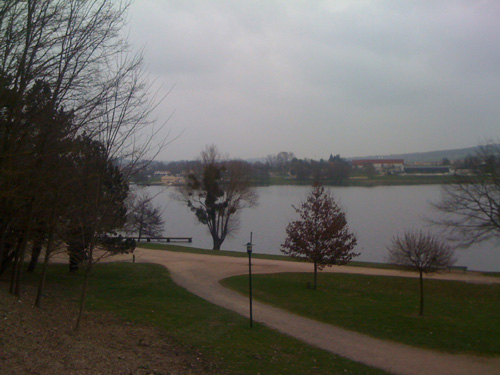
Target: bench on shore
162,239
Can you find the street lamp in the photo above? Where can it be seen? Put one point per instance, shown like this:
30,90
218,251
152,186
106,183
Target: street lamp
249,251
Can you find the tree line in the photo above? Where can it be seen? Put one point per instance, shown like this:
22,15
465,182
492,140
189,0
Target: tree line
284,165
74,128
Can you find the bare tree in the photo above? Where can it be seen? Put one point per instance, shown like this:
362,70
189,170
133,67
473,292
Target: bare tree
65,43
471,205
280,162
321,235
217,192
76,50
143,218
422,252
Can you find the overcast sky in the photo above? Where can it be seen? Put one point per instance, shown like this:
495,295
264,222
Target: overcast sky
323,77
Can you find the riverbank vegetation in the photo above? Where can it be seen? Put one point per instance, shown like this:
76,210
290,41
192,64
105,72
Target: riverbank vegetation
367,181
285,169
460,318
362,181
221,340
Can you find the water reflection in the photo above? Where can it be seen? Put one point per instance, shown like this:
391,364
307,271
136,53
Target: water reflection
374,214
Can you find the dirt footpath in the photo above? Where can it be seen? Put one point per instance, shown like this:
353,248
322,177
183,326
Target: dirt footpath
200,274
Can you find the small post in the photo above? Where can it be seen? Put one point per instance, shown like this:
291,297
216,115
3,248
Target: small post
249,251
133,258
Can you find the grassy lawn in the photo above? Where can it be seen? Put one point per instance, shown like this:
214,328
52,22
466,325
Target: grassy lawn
242,254
459,317
491,274
196,250
144,293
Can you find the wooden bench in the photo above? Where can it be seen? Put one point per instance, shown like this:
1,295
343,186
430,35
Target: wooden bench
165,239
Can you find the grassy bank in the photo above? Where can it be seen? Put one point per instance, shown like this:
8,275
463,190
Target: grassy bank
459,317
365,181
242,254
401,180
145,294
197,250
356,180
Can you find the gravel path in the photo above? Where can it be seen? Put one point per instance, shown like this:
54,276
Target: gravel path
200,274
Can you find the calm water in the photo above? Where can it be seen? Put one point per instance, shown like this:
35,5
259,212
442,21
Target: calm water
374,214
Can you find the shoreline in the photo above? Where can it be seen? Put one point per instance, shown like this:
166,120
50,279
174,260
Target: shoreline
361,181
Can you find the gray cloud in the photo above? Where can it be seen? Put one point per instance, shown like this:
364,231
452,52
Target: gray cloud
348,77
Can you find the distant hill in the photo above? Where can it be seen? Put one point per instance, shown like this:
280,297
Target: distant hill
414,157
430,156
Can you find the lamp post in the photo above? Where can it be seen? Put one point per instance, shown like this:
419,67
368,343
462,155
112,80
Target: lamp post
249,251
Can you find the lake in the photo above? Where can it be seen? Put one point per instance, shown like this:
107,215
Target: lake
374,214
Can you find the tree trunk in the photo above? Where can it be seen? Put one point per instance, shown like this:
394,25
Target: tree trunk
76,250
217,243
19,268
140,233
15,263
3,239
41,283
83,296
35,254
90,255
8,259
140,223
22,252
421,294
315,274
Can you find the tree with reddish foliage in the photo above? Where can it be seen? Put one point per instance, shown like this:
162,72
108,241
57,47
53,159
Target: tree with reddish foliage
321,235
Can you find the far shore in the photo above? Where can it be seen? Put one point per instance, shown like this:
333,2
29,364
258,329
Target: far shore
354,181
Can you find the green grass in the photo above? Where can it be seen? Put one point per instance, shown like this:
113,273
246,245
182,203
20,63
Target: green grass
491,274
196,250
382,180
459,317
241,254
401,180
144,293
